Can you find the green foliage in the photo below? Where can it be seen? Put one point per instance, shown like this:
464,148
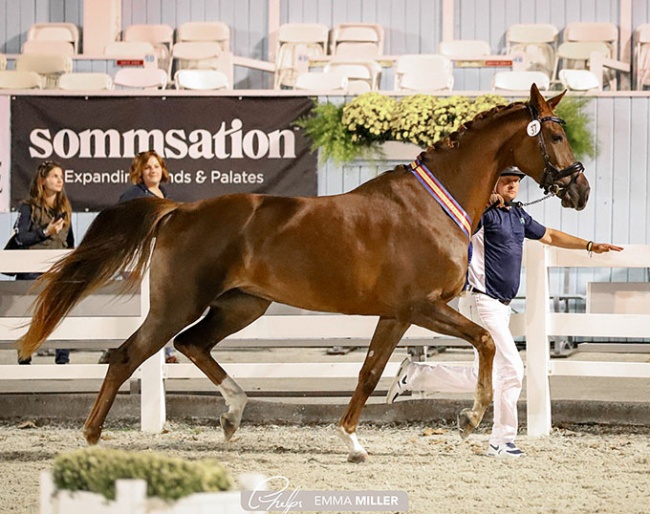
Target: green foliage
327,132
572,110
96,469
353,131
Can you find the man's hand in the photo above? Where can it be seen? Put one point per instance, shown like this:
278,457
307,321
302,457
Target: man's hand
604,248
496,198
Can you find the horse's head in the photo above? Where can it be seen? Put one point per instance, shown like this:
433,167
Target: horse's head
546,155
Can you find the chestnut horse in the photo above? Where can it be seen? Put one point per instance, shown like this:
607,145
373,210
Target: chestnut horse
386,249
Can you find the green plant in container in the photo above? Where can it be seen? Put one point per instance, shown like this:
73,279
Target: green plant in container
96,470
357,129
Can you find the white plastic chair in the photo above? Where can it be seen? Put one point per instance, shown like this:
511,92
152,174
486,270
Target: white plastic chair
140,78
357,40
537,42
321,81
593,32
464,48
39,46
363,76
129,49
579,80
200,80
641,63
423,72
154,34
575,55
196,55
12,79
85,81
205,31
160,36
520,81
55,32
296,44
49,66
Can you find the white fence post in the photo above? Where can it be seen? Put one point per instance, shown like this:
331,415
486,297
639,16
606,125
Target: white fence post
537,349
152,393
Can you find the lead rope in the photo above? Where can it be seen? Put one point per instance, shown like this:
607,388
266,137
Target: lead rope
546,197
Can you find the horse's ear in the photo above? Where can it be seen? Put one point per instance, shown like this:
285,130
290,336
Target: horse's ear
536,98
552,102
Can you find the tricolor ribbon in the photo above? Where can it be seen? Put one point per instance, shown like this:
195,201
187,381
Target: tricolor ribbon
446,201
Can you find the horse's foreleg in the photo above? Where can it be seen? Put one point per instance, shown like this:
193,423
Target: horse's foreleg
228,314
386,337
439,317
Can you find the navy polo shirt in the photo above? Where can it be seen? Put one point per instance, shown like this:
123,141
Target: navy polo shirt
497,251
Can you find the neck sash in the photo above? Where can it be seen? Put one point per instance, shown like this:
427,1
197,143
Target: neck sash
444,198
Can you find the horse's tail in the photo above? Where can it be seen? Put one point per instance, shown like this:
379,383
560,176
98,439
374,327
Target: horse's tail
119,238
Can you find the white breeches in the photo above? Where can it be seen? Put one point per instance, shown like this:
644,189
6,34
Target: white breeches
508,370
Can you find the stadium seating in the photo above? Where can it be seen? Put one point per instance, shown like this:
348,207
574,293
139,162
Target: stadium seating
512,81
200,80
296,44
12,79
205,31
537,42
85,81
357,40
423,72
49,66
140,78
67,32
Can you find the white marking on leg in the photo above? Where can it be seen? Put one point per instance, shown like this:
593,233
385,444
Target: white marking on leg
350,441
235,398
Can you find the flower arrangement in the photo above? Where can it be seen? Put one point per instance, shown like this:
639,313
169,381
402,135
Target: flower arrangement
97,469
355,130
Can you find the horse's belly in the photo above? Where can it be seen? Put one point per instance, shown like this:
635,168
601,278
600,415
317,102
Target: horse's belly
354,290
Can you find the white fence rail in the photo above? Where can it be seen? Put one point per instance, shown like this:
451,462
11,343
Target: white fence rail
542,323
537,324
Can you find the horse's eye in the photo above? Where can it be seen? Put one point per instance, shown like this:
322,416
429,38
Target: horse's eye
557,138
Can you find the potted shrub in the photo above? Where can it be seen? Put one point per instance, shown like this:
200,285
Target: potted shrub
373,126
107,481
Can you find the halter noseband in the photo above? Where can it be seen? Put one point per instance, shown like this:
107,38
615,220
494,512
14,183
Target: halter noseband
552,174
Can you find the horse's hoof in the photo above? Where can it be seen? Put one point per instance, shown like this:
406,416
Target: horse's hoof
229,428
92,435
466,424
357,457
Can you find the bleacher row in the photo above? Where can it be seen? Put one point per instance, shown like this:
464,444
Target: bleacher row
349,57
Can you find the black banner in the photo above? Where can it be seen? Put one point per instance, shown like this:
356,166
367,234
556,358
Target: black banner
211,145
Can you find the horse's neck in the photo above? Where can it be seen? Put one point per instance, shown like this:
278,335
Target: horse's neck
470,171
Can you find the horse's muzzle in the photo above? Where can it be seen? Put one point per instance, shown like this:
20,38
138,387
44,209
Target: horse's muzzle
576,194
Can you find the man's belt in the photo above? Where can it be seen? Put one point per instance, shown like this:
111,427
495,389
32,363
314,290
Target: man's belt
472,289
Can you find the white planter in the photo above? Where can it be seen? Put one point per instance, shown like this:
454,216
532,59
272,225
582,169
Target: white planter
400,151
131,498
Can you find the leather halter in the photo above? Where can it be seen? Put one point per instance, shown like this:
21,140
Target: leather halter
552,174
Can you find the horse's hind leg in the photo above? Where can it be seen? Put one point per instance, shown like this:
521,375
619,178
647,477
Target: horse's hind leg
147,340
439,317
386,337
230,313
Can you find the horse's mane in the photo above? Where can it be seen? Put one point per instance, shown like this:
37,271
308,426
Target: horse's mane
453,139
